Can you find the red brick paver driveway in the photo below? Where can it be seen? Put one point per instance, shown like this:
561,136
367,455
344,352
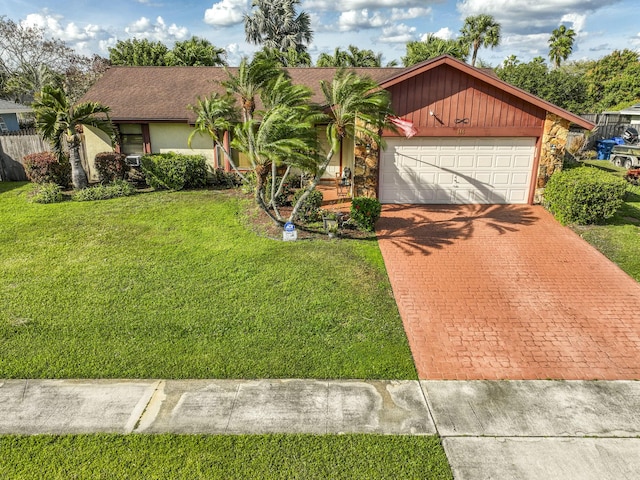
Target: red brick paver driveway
505,292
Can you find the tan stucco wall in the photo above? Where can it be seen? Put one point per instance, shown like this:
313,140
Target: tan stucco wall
554,142
334,165
172,137
95,141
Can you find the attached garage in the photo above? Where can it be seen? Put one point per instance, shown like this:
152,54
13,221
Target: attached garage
475,139
457,170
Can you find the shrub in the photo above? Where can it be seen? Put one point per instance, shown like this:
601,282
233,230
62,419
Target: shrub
222,178
111,166
49,192
584,195
309,210
44,167
289,188
174,171
118,188
365,212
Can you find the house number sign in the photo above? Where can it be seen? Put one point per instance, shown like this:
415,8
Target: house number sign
289,233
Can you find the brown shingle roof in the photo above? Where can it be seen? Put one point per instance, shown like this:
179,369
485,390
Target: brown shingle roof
163,93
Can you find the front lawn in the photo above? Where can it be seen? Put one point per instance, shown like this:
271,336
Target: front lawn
174,285
619,237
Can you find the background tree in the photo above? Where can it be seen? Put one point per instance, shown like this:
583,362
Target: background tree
564,87
195,52
480,30
29,60
560,44
61,123
288,58
275,24
135,52
352,57
432,47
614,80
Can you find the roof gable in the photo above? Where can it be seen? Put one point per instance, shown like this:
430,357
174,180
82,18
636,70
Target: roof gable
485,77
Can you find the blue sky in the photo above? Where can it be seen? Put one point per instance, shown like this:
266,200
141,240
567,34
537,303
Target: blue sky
381,25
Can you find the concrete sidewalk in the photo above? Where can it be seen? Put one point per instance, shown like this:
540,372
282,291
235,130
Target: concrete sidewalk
490,429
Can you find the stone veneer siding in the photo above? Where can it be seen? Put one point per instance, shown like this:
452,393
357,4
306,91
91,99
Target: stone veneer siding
365,174
554,141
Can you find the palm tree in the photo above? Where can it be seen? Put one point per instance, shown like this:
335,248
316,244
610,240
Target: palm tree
481,30
274,24
282,133
560,44
288,58
60,123
217,114
352,57
357,108
251,78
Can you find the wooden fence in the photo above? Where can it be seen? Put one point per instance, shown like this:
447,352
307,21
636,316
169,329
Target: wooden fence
13,147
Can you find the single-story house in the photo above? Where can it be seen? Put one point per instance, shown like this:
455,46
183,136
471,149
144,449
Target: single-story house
9,115
478,139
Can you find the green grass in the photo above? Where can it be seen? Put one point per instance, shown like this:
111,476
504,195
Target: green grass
222,457
619,237
174,285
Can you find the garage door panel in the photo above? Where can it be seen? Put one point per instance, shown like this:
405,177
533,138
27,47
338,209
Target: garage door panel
457,170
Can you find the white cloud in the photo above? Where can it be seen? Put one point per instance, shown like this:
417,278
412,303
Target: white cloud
408,14
158,31
52,26
346,5
444,33
355,20
398,34
226,13
516,16
576,20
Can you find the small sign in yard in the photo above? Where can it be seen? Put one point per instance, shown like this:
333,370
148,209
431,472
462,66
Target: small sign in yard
289,234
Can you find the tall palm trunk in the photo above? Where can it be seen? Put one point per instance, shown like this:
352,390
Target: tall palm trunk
78,175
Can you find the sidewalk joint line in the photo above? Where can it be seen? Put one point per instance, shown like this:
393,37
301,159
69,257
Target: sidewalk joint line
233,406
425,395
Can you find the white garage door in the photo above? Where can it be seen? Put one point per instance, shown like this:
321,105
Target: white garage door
457,170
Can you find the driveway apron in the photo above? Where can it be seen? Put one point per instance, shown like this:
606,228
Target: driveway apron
491,292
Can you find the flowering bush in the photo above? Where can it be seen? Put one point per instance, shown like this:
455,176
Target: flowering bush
365,212
111,166
44,167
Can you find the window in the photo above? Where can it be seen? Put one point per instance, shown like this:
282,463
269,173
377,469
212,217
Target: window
131,139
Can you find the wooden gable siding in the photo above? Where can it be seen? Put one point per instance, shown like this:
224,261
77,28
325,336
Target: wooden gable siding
463,106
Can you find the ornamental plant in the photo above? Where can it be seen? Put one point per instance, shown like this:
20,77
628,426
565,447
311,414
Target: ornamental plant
111,166
365,212
174,171
584,195
45,167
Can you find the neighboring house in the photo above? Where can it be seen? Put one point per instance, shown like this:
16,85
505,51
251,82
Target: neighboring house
9,115
479,139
